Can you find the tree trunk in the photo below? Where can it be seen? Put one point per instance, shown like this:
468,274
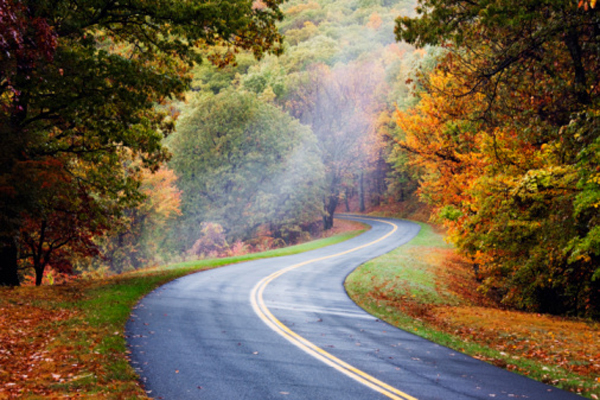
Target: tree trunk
361,189
572,42
8,263
39,275
330,206
327,222
347,200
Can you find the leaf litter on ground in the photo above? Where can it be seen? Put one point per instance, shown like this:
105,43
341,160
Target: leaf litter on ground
67,340
426,288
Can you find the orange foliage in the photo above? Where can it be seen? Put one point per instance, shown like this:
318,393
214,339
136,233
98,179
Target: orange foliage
163,197
375,21
392,53
26,332
587,4
449,166
569,344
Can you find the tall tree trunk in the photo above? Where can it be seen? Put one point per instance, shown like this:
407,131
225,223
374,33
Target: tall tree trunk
8,263
361,190
572,42
347,199
39,275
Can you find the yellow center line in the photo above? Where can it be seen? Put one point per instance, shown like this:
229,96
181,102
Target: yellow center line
258,304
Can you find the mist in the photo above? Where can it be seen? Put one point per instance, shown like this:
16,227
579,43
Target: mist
266,152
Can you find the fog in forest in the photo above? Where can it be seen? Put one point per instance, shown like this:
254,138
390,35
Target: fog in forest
259,180
264,153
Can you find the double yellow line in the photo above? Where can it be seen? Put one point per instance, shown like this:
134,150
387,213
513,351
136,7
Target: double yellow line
258,304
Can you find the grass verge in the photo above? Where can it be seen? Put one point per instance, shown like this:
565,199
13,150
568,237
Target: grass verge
425,288
68,341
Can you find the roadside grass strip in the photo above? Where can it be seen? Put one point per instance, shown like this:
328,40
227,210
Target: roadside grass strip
67,341
425,288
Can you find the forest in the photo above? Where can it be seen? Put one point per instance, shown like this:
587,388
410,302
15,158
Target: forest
139,133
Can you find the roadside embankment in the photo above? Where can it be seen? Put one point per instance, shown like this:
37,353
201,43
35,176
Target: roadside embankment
426,288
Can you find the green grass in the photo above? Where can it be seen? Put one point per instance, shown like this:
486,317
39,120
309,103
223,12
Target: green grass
384,285
404,272
285,251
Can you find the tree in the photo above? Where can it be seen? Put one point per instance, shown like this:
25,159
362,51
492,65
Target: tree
81,84
507,132
136,237
24,43
502,38
339,104
242,164
64,228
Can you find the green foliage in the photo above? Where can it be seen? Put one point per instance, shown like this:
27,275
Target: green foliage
330,78
210,77
137,238
242,164
85,99
269,75
450,213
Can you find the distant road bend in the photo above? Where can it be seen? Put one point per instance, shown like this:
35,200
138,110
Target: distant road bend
284,328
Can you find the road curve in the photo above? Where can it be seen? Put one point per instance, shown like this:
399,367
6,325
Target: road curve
284,328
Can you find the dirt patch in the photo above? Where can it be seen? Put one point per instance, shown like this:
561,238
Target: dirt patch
342,226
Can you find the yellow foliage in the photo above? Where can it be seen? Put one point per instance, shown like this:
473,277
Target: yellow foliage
311,5
374,22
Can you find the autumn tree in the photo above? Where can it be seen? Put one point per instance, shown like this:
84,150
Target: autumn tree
64,227
511,112
78,85
137,237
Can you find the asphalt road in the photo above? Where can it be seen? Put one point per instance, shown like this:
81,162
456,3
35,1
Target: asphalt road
284,328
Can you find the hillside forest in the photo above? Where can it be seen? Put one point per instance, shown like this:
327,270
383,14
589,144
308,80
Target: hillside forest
139,133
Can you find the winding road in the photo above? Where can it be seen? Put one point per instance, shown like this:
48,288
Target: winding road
284,328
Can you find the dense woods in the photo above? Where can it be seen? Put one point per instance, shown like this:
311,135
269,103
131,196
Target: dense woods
244,164
267,151
81,87
138,132
506,137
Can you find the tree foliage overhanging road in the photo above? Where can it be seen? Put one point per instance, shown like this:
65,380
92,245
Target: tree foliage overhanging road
506,134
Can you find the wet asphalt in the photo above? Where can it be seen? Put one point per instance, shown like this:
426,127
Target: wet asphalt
198,337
